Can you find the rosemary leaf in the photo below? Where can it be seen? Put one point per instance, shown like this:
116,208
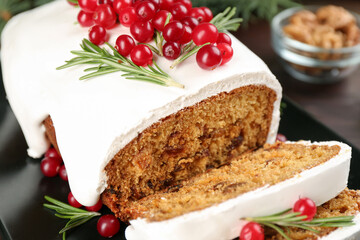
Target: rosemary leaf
288,219
76,216
110,62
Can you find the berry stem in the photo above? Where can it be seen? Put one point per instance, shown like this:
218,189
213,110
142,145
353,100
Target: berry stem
186,55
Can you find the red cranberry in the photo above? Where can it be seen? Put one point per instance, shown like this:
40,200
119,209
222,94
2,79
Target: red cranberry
124,44
186,37
142,31
166,4
85,19
50,166
179,11
173,31
252,231
204,33
145,10
190,21
72,201
198,13
108,225
208,57
88,5
63,173
160,19
97,35
171,50
141,55
281,137
96,207
208,14
119,5
223,38
226,52
105,16
52,153
127,16
306,207
187,4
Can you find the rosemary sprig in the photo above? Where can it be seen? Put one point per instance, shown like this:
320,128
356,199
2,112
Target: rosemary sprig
294,219
113,62
76,216
223,22
159,38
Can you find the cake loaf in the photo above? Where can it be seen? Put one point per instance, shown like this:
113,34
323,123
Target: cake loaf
131,138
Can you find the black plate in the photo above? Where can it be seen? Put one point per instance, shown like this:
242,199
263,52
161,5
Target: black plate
22,185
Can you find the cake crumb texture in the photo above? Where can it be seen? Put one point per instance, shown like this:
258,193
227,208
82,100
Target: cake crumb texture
189,142
345,204
269,165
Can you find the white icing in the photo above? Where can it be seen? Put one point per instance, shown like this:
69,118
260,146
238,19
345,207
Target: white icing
94,119
222,221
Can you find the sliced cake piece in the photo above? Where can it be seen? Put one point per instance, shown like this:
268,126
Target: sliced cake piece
259,183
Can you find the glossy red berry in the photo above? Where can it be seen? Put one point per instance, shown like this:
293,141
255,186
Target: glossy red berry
141,55
50,166
173,31
156,3
85,19
95,207
52,153
208,14
223,38
88,5
208,57
226,52
145,10
160,19
198,13
204,33
62,173
190,21
186,37
72,201
105,16
124,44
171,50
252,231
108,225
166,4
127,16
179,11
306,207
187,4
142,31
281,137
119,5
97,35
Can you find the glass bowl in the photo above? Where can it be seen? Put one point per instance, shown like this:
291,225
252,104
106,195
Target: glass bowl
310,63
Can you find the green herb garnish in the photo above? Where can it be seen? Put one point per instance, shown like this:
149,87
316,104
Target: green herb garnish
108,62
76,216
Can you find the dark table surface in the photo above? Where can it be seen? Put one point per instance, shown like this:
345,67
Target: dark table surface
336,105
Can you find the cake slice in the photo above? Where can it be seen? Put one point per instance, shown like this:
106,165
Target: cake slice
259,183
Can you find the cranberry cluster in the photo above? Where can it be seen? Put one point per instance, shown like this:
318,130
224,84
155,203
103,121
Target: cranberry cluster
145,17
52,165
254,231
